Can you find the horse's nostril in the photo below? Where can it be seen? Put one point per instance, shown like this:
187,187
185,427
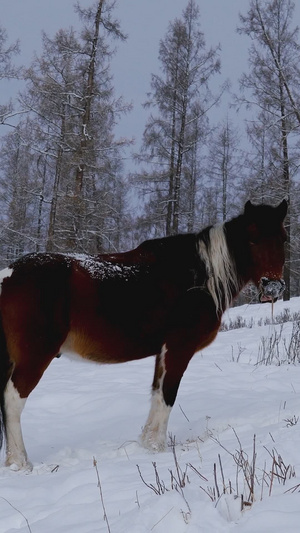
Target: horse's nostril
271,289
264,281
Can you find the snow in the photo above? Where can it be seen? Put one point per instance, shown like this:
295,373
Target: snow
83,421
105,269
96,268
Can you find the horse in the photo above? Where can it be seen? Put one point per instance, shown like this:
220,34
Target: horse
164,298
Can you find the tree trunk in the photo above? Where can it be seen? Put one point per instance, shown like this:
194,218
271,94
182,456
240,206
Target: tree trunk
84,138
170,206
286,183
56,184
87,103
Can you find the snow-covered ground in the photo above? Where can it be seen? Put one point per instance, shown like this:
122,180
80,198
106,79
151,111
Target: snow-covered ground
235,422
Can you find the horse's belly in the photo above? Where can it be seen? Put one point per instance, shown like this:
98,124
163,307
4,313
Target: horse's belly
108,345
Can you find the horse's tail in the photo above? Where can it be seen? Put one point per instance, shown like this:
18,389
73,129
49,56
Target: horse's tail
5,373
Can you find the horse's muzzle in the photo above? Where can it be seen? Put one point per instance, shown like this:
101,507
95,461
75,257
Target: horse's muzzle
270,289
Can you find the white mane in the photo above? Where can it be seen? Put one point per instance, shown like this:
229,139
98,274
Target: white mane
220,267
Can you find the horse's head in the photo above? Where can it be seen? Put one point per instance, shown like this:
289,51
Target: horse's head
266,238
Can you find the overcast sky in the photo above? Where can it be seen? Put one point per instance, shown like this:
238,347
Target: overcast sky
145,22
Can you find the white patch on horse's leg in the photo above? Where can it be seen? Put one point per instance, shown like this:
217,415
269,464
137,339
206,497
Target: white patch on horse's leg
155,431
16,456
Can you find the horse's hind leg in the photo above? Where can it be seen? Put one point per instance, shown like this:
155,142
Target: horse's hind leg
31,353
20,384
16,455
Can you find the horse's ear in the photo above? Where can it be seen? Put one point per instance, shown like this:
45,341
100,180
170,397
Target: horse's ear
248,207
252,229
282,209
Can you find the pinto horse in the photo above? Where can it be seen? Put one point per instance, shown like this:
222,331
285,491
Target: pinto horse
165,298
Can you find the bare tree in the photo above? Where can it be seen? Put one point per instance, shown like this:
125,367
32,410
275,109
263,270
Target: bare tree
181,98
7,71
224,169
70,95
98,22
19,197
272,84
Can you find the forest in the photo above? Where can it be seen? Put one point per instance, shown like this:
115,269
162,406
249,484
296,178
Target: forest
63,185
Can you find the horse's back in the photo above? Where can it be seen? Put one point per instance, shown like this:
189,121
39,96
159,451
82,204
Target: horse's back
109,308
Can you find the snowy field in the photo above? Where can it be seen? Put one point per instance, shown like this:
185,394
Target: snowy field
236,431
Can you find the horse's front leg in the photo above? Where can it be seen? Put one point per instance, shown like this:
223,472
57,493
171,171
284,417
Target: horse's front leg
154,433
195,325
167,377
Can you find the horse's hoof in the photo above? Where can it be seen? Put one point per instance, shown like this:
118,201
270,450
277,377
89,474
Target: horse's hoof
151,444
16,466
